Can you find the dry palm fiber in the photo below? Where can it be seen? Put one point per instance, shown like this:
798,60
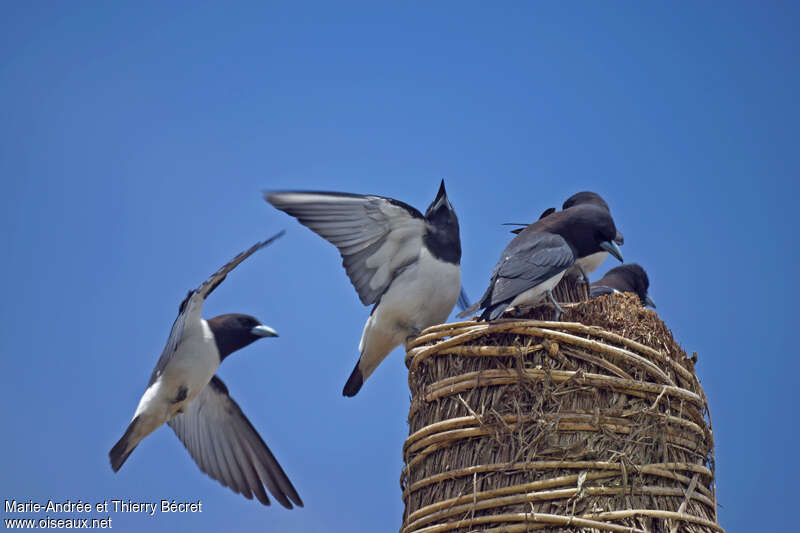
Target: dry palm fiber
596,423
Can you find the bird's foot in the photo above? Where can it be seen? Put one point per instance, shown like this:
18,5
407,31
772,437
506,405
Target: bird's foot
413,334
558,310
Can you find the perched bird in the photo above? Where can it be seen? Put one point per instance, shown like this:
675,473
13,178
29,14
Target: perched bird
624,278
588,264
406,264
535,260
184,392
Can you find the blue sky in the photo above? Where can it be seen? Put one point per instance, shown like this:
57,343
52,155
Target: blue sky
135,139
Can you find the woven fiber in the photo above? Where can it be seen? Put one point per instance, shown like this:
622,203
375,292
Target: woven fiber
595,423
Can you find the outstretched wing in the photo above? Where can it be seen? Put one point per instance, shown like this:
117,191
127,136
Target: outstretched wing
208,286
376,236
192,306
227,447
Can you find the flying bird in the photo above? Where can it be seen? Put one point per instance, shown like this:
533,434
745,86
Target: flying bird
584,265
538,257
185,393
624,278
403,263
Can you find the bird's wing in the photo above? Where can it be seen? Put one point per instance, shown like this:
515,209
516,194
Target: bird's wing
463,300
528,260
191,307
520,229
532,259
226,446
173,340
208,286
547,212
599,290
376,236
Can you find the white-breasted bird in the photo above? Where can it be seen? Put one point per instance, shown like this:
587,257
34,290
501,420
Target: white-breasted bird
405,264
588,264
536,259
185,393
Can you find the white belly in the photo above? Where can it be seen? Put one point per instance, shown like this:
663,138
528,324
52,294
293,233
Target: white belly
537,293
590,263
421,296
192,366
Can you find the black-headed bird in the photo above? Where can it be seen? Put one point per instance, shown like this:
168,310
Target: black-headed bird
588,264
538,257
185,393
405,264
624,278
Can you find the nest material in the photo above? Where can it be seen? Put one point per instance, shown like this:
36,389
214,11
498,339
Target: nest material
596,423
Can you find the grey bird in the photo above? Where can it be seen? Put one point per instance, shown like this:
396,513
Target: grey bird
624,278
588,264
405,264
538,257
185,393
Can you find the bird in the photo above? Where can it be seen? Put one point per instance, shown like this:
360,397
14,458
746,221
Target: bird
624,278
405,264
585,265
538,257
185,393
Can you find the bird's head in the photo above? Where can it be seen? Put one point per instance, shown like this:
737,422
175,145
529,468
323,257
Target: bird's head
235,331
590,229
639,281
590,198
585,197
442,233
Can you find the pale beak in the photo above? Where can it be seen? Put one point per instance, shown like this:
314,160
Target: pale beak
612,248
263,331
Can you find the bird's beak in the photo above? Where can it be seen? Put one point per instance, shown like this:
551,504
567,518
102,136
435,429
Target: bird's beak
649,301
618,238
612,248
442,191
441,199
263,331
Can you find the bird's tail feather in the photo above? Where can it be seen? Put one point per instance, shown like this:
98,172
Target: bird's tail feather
123,448
494,312
469,310
463,300
376,343
354,382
